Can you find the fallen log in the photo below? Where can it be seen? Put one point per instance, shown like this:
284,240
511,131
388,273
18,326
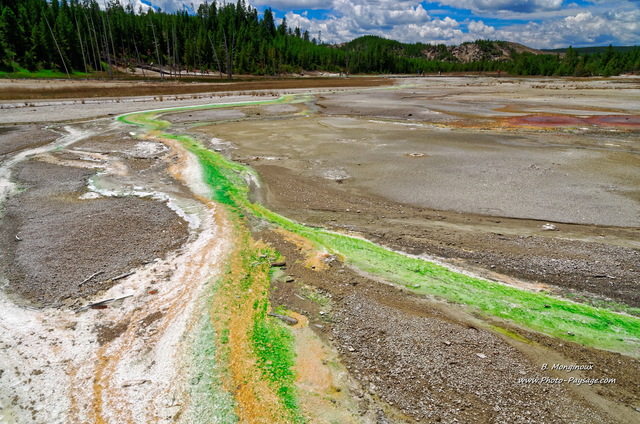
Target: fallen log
101,303
135,383
86,280
284,318
120,277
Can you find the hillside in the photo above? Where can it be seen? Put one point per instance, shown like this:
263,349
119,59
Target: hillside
480,50
593,49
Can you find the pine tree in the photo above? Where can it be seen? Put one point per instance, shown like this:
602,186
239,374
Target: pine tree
4,49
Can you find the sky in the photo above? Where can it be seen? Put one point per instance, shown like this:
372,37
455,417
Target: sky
543,24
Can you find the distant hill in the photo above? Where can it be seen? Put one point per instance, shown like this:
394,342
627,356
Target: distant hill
477,51
481,50
591,50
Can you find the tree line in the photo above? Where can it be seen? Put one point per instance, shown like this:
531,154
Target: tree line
606,62
231,38
224,38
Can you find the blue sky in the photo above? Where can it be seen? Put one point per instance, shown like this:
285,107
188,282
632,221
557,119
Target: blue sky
535,23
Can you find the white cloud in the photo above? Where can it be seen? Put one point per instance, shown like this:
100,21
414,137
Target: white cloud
414,26
520,6
626,25
332,30
588,27
479,28
294,4
382,13
581,29
435,32
137,5
168,6
354,18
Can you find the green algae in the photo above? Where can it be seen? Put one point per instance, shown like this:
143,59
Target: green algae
274,348
585,324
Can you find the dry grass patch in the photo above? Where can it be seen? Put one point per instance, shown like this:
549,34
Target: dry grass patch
116,89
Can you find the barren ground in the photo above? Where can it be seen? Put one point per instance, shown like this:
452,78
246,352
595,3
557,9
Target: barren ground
463,170
418,179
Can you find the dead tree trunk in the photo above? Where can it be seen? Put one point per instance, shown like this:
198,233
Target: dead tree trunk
215,54
155,41
84,58
229,52
57,46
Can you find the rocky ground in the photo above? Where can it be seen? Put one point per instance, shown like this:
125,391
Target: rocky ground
419,360
42,243
16,138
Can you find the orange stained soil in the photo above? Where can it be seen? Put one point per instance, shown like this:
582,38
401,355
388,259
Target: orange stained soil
315,259
234,312
320,378
550,121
